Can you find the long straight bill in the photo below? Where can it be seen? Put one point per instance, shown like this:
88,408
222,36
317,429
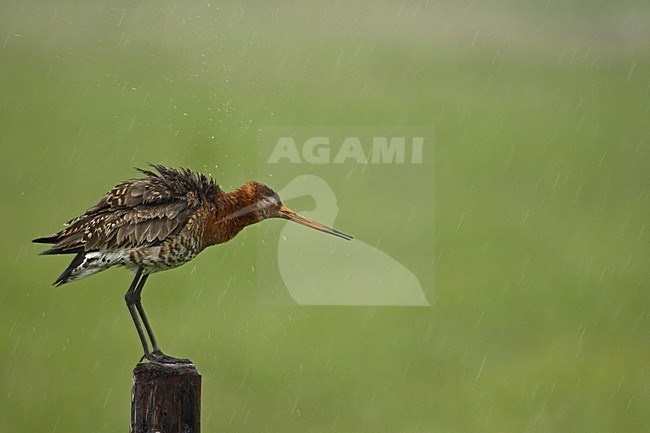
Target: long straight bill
287,213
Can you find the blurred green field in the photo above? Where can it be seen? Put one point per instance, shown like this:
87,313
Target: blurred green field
539,215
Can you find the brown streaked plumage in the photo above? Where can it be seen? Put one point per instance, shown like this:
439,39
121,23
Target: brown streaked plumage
160,222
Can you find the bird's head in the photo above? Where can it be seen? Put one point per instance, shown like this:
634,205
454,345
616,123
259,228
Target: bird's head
267,204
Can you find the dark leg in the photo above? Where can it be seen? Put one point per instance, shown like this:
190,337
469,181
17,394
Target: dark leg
129,297
138,305
156,354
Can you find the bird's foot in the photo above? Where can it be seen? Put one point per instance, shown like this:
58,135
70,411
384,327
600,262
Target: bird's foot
158,356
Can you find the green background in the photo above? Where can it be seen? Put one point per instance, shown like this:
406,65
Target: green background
540,318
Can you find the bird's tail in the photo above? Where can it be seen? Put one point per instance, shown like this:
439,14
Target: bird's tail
54,239
88,263
47,240
63,278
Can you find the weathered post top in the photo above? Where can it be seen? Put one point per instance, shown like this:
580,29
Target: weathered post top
165,398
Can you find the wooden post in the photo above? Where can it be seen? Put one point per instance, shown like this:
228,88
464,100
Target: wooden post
165,398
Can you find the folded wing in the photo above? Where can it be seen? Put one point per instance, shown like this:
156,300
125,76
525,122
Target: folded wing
136,212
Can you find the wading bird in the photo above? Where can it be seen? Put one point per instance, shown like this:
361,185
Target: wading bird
159,222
